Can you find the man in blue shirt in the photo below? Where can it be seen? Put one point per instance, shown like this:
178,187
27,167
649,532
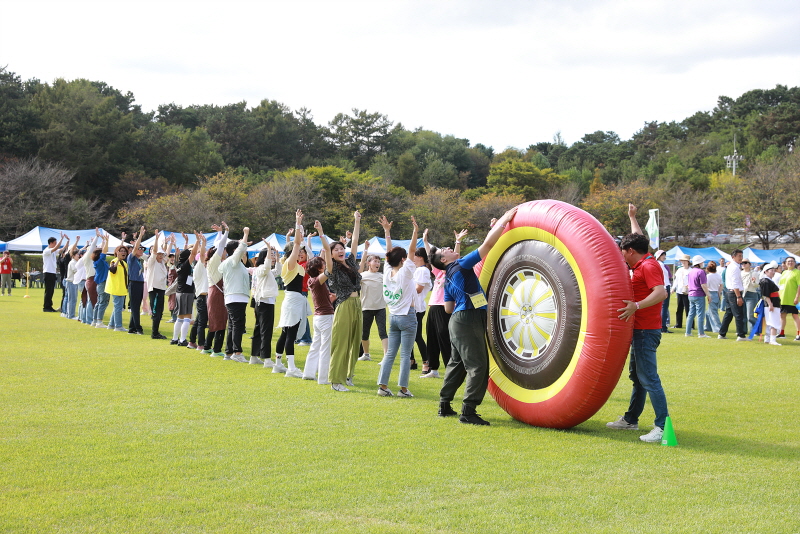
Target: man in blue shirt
465,300
136,283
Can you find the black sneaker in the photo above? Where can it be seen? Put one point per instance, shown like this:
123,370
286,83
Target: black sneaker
413,365
473,419
445,410
779,336
173,341
182,343
158,336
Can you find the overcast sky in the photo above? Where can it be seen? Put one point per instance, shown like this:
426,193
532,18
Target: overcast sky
501,73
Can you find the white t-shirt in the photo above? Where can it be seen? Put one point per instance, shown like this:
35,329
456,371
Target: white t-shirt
399,289
422,277
49,260
372,291
714,281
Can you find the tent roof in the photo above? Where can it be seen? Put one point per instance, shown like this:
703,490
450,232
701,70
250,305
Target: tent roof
707,253
36,239
764,256
178,239
279,242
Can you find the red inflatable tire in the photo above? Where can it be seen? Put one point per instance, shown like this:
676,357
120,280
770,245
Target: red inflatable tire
554,282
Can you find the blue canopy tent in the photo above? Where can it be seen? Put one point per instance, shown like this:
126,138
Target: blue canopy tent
765,256
278,241
707,253
178,238
2,246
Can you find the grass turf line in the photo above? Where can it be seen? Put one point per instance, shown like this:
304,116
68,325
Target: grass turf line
109,432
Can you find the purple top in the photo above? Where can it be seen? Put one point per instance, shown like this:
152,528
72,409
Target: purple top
697,277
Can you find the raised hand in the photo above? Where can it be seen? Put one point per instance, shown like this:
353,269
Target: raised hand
385,223
357,215
460,234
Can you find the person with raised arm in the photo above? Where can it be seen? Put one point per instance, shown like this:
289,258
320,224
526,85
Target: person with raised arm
49,269
373,307
344,281
399,292
101,278
157,283
91,285
117,286
136,283
184,301
465,300
197,336
295,308
319,355
265,294
647,280
236,281
217,312
437,328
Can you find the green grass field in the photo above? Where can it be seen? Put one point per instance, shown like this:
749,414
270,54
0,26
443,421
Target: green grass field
109,432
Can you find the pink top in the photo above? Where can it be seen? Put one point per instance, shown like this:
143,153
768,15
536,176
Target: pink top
437,294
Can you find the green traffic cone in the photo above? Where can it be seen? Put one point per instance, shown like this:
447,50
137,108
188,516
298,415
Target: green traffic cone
669,439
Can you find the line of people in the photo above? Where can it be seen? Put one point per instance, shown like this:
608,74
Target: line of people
211,287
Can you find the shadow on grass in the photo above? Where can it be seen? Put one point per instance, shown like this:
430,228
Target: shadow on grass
693,440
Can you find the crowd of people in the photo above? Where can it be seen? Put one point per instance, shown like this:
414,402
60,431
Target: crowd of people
207,287
737,288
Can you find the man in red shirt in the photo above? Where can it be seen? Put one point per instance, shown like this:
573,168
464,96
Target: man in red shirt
647,279
6,266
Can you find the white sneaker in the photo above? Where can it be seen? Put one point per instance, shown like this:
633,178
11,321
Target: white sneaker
365,357
766,339
338,387
278,367
703,336
294,373
742,339
405,393
654,436
239,358
99,324
110,327
773,342
255,360
622,424
268,363
432,373
350,383
384,392
227,357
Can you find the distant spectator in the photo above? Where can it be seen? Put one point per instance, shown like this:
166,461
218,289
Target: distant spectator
6,266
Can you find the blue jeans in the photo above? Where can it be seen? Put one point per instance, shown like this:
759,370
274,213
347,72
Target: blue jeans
712,313
402,332
643,372
116,315
102,302
697,308
665,310
72,301
79,301
751,299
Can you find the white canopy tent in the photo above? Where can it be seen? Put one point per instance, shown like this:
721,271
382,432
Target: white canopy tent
36,239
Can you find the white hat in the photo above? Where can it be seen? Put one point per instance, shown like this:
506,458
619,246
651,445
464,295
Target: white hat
771,265
658,253
698,260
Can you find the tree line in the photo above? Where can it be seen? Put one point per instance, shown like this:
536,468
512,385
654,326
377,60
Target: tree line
82,153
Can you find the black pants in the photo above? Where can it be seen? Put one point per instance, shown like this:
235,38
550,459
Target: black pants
683,309
136,292
214,341
198,332
262,335
236,322
734,311
421,346
49,288
156,307
286,340
438,336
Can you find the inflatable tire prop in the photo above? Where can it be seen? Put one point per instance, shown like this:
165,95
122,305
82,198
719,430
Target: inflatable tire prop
555,281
